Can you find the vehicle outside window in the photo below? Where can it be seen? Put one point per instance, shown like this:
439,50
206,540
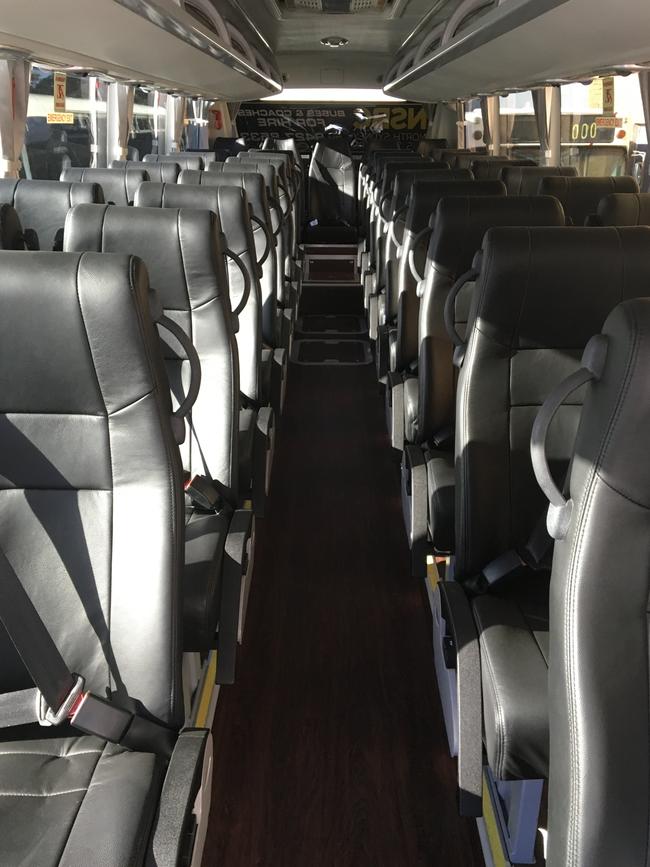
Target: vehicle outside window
53,145
518,126
603,126
474,125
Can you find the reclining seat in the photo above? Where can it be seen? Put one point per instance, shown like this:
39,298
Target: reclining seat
398,342
382,305
580,196
185,159
91,537
429,399
542,294
42,207
622,209
118,185
287,271
295,173
332,184
382,163
525,180
599,795
265,241
273,360
184,257
286,295
289,144
286,179
256,420
159,172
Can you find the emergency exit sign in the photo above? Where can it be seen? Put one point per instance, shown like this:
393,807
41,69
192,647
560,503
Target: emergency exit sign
59,92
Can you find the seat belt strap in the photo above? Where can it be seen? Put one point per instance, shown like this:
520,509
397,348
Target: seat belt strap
59,694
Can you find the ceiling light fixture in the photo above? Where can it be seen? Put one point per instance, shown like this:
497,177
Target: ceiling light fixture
334,41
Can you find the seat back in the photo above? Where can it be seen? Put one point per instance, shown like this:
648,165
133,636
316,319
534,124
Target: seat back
542,293
525,180
403,305
623,209
580,196
90,478
11,231
160,172
118,185
231,205
485,169
284,160
185,159
255,188
42,206
427,147
460,224
184,256
331,187
598,674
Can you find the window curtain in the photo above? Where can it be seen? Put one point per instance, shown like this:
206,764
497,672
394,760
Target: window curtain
15,75
644,82
175,122
119,120
485,116
460,124
159,105
541,117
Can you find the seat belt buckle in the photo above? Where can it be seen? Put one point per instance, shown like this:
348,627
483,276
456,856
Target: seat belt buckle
203,493
101,718
48,717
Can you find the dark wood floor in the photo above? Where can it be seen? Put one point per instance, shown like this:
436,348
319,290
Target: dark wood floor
330,748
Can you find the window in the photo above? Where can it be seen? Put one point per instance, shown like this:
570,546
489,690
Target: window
518,126
149,121
602,124
51,147
474,125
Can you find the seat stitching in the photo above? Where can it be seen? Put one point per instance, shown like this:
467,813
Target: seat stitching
40,794
51,755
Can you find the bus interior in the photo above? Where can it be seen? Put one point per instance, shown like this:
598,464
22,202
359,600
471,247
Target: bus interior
309,444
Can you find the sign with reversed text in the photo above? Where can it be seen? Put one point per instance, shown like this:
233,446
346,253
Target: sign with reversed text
306,122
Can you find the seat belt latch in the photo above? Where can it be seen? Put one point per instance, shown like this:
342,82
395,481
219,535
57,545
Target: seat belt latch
203,493
48,717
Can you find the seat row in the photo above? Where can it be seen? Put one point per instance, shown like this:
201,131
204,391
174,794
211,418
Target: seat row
497,298
139,407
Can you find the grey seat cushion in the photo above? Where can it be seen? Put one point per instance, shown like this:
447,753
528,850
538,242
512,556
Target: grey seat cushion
513,628
411,400
75,800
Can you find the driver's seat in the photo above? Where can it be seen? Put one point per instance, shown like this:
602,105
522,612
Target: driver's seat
331,184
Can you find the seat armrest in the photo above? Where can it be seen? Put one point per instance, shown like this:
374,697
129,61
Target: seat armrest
175,833
395,409
464,636
415,508
235,566
263,450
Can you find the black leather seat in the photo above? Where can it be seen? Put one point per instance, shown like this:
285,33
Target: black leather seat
398,340
542,293
525,180
485,169
43,206
580,196
429,400
332,185
622,209
183,253
160,172
184,159
118,185
86,440
599,790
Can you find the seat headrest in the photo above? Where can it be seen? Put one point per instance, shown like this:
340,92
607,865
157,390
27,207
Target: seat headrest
542,287
281,166
485,169
11,230
425,195
391,170
405,178
461,222
162,172
42,206
252,182
580,196
624,209
181,247
183,159
525,180
267,170
118,185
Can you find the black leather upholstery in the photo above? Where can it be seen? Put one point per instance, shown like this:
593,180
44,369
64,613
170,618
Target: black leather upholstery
11,231
331,186
118,185
84,446
599,793
184,159
580,196
160,172
490,169
43,205
623,209
524,180
542,293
